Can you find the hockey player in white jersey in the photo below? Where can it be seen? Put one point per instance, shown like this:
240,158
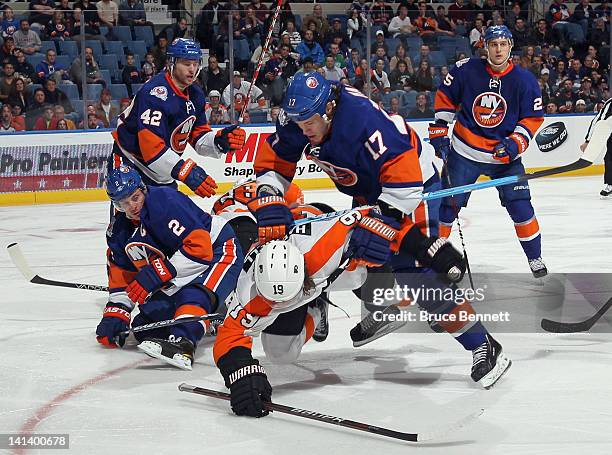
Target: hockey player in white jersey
599,136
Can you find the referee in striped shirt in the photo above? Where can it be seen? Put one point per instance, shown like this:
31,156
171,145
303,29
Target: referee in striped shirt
599,132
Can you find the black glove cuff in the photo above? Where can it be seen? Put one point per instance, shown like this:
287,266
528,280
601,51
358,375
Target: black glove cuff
416,244
235,363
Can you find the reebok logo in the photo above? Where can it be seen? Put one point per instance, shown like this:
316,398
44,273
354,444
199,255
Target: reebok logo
186,169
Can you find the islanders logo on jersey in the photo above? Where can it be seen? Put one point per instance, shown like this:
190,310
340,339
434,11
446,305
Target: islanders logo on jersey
181,134
342,176
142,254
489,109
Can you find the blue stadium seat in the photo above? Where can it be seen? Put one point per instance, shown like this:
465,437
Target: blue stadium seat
258,116
414,43
33,87
409,100
35,59
71,91
108,62
103,30
46,45
123,34
64,60
137,47
114,48
437,58
69,48
392,44
106,76
298,21
118,91
93,92
144,33
96,47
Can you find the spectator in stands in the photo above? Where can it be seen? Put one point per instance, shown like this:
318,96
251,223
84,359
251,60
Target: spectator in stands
7,51
261,11
380,55
18,96
426,26
423,78
252,28
310,48
336,52
215,117
178,30
541,34
520,33
380,77
320,21
337,35
9,24
477,35
565,97
381,14
46,121
514,13
61,125
149,68
355,27
273,114
41,12
35,107
210,15
547,89
64,7
108,15
92,26
394,106
421,110
580,107
241,89
400,54
7,82
25,39
424,54
214,77
294,36
331,71
214,102
569,33
307,65
58,28
130,74
458,13
400,78
105,110
474,9
60,116
53,95
587,93
132,13
159,53
49,69
7,123
352,63
584,15
599,36
271,79
445,26
400,26
548,60
491,11
551,108
379,41
576,71
288,63
92,70
93,122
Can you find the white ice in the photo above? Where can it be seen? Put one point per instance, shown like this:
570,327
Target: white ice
55,378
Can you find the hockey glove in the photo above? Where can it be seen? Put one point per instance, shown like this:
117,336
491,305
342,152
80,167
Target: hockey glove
438,138
115,319
436,253
230,139
273,216
194,177
508,149
247,381
371,240
149,279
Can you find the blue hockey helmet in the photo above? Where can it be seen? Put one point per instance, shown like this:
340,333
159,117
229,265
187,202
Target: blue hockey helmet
184,48
121,183
497,31
306,95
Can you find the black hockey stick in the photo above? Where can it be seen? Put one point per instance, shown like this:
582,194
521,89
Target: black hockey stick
573,327
326,418
171,322
20,262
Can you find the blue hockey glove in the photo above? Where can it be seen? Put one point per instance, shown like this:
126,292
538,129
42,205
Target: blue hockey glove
230,138
508,149
371,240
150,278
438,138
194,177
115,319
274,219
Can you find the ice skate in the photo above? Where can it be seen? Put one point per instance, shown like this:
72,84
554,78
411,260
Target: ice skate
489,362
538,268
175,351
322,329
376,325
606,192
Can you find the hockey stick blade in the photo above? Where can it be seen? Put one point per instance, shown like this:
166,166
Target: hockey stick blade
171,322
22,265
326,418
574,327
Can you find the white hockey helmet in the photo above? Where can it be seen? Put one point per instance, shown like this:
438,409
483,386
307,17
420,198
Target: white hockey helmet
279,271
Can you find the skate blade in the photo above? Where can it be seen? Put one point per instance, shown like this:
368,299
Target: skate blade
501,366
387,329
154,350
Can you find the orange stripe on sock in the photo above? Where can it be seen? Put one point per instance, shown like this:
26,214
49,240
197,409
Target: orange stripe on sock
444,230
527,230
309,325
459,318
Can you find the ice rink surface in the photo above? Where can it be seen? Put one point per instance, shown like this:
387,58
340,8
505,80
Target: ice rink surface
55,378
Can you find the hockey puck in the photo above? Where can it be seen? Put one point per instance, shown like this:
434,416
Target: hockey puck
551,137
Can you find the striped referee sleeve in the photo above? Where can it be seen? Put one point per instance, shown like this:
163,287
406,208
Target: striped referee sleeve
603,114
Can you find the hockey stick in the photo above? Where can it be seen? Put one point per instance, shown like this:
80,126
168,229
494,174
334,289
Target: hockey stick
326,418
264,50
20,262
572,327
171,322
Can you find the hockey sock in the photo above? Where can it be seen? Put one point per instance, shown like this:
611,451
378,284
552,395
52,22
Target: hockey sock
313,317
194,331
526,226
447,217
461,324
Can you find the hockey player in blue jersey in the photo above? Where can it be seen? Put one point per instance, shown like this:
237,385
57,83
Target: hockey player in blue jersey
170,258
378,160
166,114
497,109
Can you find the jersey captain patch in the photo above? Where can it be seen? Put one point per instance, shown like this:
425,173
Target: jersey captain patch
181,133
489,109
